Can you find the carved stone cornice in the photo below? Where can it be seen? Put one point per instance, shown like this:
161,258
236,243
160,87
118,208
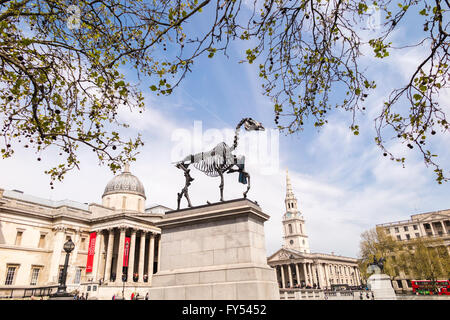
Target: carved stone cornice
59,228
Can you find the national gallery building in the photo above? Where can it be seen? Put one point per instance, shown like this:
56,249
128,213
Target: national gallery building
33,231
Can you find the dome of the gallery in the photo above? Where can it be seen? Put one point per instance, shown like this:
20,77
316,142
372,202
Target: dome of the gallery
125,183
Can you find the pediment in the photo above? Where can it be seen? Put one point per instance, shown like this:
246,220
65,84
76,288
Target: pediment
434,217
284,254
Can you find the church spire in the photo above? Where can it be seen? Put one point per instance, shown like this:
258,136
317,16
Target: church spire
293,223
291,200
289,192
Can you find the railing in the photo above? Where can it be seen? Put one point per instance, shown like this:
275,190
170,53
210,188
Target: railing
318,294
27,292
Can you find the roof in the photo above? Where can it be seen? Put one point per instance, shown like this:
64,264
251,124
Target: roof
46,202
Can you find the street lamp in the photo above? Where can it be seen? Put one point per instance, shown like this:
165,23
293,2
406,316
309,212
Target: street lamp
68,248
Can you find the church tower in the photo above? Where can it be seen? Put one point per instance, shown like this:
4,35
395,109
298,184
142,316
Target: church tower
293,223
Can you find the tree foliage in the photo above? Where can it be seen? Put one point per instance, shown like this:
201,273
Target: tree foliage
420,258
428,259
312,64
375,243
62,83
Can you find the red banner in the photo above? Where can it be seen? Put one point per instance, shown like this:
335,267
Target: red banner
126,251
91,252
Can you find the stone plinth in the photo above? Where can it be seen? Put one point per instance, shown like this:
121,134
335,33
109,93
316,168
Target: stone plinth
381,286
214,252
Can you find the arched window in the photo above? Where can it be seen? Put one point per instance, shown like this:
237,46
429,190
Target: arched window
290,228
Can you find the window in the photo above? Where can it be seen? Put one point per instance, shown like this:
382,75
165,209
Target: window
399,238
415,227
78,275
396,229
291,242
34,276
387,230
42,241
405,228
10,274
83,244
417,235
408,237
426,226
290,228
18,238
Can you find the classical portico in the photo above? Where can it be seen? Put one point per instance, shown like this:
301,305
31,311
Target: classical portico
314,270
110,254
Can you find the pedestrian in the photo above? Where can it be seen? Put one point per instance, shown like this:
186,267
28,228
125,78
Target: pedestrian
114,297
137,296
146,296
132,296
82,296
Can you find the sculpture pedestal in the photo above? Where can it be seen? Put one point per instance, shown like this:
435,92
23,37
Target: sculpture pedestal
214,252
381,286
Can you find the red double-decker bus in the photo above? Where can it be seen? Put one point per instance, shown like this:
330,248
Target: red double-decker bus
441,287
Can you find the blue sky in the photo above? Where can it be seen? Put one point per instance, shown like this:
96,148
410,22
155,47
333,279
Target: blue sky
343,183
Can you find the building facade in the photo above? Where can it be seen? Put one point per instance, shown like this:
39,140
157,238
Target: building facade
430,225
33,231
296,266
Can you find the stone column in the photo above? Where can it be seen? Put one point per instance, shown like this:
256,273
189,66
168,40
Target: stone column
151,257
109,254
305,273
297,273
58,244
444,229
310,278
97,255
131,259
141,257
327,275
315,274
320,275
283,284
159,253
358,276
119,264
290,275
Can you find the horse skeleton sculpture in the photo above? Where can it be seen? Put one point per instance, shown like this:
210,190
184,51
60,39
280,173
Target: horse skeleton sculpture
218,161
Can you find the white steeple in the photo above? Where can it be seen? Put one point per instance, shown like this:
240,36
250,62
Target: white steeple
293,223
291,200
